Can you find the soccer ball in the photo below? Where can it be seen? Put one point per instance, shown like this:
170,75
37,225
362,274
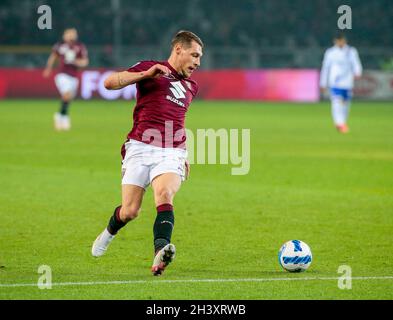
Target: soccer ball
295,256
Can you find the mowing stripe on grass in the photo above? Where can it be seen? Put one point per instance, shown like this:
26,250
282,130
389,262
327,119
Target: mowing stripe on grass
94,283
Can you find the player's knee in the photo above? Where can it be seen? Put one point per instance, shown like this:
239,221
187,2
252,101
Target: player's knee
128,213
164,195
67,97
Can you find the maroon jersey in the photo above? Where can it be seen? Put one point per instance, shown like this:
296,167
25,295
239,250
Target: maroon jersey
161,107
68,53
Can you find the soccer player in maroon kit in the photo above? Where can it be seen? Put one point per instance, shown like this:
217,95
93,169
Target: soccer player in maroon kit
73,56
155,151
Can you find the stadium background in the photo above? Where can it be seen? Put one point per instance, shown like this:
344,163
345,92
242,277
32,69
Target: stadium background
239,35
306,181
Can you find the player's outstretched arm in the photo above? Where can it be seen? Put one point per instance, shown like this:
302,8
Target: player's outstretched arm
356,64
119,80
323,81
49,65
82,62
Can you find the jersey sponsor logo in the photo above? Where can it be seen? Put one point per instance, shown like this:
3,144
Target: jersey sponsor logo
181,104
178,90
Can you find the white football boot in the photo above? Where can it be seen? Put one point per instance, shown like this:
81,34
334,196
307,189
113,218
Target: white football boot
66,122
163,258
58,121
101,244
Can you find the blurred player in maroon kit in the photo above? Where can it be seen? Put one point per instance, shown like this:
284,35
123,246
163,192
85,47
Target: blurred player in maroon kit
155,151
73,56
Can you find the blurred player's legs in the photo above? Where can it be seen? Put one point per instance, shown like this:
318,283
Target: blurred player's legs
131,202
67,86
340,99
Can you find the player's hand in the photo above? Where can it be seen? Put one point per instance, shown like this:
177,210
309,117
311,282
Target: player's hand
187,164
157,70
81,63
358,77
46,73
323,90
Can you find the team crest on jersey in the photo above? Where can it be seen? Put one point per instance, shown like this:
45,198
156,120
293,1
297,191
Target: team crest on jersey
188,85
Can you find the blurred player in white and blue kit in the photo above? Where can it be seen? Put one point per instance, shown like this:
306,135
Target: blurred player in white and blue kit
341,66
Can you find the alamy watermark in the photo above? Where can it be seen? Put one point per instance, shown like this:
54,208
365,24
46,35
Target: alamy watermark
205,146
345,20
45,278
45,20
231,150
345,280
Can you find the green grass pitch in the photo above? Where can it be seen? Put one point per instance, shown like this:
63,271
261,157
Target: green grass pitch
306,182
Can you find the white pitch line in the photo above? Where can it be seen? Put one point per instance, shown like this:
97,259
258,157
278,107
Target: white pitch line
94,283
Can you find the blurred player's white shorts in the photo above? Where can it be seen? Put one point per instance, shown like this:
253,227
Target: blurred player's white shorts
143,162
66,83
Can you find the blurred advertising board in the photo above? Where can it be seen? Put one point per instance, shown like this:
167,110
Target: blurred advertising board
260,85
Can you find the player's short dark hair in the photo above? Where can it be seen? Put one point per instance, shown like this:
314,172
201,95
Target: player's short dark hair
340,36
69,29
185,38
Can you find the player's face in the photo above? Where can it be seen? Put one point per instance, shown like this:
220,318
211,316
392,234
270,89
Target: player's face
340,42
70,35
190,58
